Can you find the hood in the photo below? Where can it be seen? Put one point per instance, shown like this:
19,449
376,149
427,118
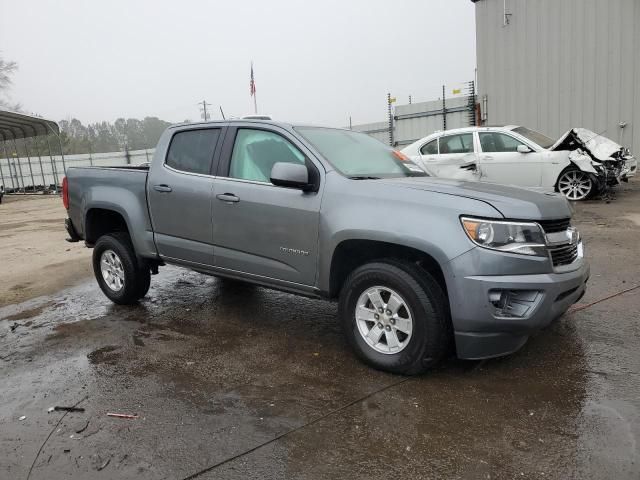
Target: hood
511,202
598,146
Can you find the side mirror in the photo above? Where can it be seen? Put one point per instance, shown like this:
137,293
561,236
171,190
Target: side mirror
523,149
290,175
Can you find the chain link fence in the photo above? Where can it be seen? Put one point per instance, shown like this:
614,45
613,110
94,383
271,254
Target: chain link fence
23,174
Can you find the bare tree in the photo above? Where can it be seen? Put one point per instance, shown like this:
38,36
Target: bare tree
7,69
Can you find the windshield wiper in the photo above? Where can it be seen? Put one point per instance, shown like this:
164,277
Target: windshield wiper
363,177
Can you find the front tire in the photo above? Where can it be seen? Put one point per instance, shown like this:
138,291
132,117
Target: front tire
117,271
575,184
395,317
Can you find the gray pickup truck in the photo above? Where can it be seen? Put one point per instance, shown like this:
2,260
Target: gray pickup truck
419,265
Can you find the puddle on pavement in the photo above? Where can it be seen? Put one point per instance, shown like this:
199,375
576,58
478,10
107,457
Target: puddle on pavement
240,364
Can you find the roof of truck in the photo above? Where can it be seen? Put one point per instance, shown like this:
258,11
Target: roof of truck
285,125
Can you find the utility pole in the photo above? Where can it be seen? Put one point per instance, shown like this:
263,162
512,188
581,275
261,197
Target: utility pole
204,114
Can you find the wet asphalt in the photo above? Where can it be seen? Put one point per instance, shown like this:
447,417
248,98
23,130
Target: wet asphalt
232,381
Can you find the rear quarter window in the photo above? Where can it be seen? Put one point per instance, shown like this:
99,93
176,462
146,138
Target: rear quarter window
430,148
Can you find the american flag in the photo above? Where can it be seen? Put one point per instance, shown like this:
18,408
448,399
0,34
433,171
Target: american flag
252,83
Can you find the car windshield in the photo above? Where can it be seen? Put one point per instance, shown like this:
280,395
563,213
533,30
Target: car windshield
359,156
536,137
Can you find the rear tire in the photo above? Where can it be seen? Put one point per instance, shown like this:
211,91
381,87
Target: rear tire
117,271
408,341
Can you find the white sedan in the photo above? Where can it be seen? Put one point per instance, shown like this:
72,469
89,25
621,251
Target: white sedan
579,164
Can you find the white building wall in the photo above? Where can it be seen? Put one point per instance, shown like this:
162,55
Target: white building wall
377,130
560,64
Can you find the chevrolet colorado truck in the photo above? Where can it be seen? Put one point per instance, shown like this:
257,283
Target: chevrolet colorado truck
418,265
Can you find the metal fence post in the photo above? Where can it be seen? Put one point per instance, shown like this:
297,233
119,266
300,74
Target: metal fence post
15,146
54,168
1,174
64,166
444,109
26,150
19,178
390,113
44,180
4,146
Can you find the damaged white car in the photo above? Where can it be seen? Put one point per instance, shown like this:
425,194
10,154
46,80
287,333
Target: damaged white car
579,165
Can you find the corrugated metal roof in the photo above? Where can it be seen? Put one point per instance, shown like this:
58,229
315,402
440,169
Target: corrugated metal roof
18,125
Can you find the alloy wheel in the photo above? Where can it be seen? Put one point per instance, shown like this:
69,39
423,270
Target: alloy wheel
112,270
575,185
384,320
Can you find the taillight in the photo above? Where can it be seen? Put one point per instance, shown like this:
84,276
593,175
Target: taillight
65,193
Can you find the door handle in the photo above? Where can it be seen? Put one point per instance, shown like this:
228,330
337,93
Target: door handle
487,157
162,188
228,198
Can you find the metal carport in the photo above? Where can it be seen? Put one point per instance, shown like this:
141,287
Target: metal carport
16,126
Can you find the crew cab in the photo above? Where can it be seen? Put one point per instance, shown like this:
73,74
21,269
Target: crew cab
417,264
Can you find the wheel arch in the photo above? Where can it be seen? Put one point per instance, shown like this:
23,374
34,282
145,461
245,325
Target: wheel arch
353,253
102,221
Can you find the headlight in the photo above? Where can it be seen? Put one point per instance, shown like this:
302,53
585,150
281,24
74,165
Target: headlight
512,237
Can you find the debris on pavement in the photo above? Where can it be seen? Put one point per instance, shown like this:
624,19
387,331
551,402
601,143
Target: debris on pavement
82,427
65,409
122,415
101,467
99,462
22,417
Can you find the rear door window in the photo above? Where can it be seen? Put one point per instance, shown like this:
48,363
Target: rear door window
461,143
192,151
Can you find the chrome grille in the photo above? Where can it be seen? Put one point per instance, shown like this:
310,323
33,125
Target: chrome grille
564,255
554,226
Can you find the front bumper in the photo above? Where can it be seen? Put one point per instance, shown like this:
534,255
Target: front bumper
483,331
630,168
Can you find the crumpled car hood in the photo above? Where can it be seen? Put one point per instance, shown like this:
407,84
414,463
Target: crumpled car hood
598,146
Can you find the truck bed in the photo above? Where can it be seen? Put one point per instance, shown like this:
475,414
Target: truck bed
120,189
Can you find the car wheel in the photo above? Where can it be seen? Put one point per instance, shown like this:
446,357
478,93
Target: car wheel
395,316
117,271
575,184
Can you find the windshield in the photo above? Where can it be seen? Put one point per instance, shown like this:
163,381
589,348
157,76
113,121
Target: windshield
536,137
357,155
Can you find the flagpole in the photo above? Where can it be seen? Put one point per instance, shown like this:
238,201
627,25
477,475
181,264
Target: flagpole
253,91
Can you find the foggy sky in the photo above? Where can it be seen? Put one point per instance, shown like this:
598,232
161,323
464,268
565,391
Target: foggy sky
314,61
